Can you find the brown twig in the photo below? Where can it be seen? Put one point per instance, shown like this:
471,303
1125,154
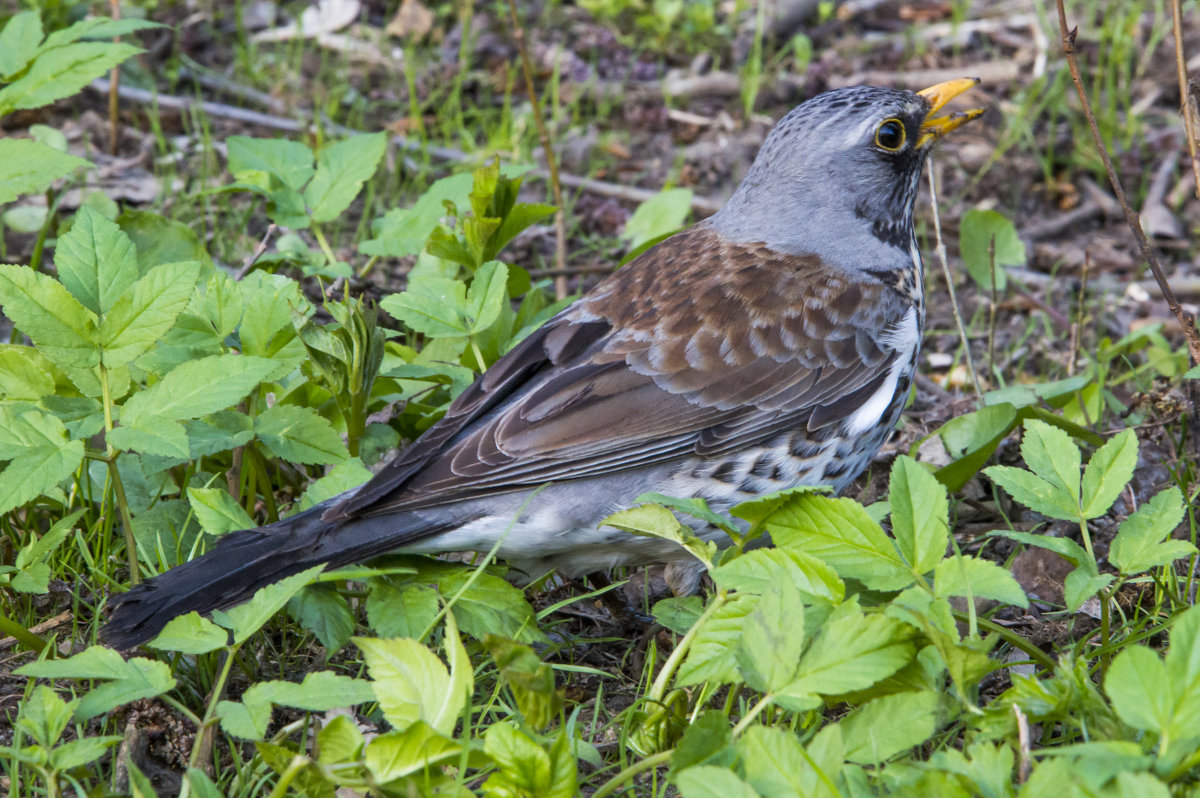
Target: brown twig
941,253
560,223
114,79
1185,99
1186,320
253,257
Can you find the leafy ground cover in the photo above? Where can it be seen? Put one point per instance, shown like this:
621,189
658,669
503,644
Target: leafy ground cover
211,323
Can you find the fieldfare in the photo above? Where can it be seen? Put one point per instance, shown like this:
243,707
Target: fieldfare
769,346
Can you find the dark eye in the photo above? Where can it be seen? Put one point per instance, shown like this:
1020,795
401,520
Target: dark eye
890,135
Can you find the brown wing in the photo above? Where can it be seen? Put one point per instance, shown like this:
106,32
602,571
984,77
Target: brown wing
696,347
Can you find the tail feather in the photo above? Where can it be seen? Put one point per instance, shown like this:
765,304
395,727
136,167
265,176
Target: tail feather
242,563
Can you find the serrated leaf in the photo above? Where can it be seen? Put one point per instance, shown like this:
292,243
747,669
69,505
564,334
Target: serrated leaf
888,725
339,741
290,161
151,435
342,168
126,680
977,230
402,753
411,683
1107,473
299,435
1034,492
323,611
712,655
1066,548
489,605
756,570
190,634
41,455
972,577
1139,689
920,508
217,511
772,639
320,691
161,240
28,166
851,652
61,328
839,532
433,306
19,42
248,720
1081,584
189,390
246,619
1141,542
707,781
399,609
61,73
140,318
653,520
487,295
96,261
24,374
1052,455
405,231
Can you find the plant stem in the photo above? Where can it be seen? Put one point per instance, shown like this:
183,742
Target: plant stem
118,486
294,767
609,787
211,711
23,635
659,688
752,715
1013,639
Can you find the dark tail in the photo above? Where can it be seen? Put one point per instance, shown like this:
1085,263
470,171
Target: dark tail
242,563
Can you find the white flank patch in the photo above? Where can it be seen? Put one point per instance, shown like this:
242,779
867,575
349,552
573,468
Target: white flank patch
904,339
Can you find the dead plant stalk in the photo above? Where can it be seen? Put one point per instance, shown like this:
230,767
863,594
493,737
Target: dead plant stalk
1186,320
560,224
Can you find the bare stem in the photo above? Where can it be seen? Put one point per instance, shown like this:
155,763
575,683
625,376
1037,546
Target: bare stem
1185,100
1186,320
560,224
941,253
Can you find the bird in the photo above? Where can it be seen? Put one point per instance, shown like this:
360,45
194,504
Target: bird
768,346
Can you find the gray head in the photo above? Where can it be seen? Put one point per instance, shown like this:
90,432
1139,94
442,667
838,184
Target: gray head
838,176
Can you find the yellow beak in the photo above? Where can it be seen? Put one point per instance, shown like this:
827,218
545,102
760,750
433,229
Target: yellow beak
934,127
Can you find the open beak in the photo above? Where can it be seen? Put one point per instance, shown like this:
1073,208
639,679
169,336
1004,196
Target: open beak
934,127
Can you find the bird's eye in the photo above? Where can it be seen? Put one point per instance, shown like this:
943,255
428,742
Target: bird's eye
890,135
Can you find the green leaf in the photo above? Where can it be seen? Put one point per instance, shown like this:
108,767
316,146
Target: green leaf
888,725
1034,492
400,609
61,328
1107,473
433,306
678,613
126,680
83,751
772,639
402,753
28,166
32,571
320,691
339,741
1141,542
712,657
189,390
41,455
1081,584
323,611
489,605
140,318
756,570
161,240
411,684
404,231
660,215
776,764
1139,688
486,296
920,514
217,511
1066,548
190,634
246,619
218,432
526,768
342,167
839,532
971,439
299,435
61,73
290,161
653,520
248,720
851,652
95,28
24,374
151,435
707,781
19,42
1052,455
96,261
975,578
976,232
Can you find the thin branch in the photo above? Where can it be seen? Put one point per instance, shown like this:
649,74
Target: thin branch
560,223
941,253
1186,320
1186,105
114,86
